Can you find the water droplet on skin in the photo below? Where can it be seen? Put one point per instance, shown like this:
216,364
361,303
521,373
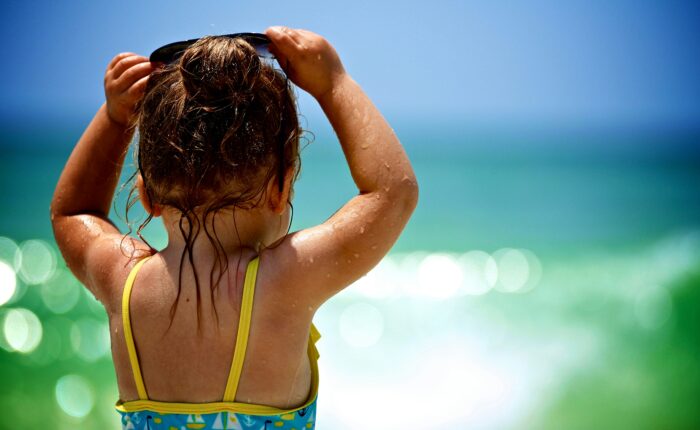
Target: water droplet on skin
311,259
310,309
318,57
377,196
388,167
364,146
349,261
362,230
356,255
374,246
387,189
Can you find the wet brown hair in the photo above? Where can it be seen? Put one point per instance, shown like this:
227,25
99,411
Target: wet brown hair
215,127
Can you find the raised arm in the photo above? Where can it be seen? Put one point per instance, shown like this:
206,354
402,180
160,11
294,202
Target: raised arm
88,240
352,241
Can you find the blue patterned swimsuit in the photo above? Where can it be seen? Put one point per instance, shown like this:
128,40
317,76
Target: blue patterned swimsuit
145,414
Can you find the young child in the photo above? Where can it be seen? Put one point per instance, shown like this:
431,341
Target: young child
215,330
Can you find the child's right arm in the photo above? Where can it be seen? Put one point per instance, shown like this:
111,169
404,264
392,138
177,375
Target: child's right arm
332,255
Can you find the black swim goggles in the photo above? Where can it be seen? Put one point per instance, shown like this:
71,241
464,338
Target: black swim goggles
172,51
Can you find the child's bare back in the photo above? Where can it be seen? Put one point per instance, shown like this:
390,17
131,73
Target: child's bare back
223,189
184,363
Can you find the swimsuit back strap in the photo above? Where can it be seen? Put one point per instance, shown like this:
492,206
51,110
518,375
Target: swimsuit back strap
243,330
128,334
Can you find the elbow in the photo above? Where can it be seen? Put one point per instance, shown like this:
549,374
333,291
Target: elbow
399,195
55,212
56,219
52,214
407,192
413,198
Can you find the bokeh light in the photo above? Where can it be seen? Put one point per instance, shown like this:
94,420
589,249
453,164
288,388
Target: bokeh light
61,293
437,275
480,272
9,252
38,261
90,339
361,325
513,270
8,282
535,271
49,349
22,330
3,341
74,395
440,276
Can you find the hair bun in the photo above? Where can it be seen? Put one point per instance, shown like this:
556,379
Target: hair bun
216,69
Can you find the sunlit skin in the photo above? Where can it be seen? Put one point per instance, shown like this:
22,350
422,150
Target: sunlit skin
297,275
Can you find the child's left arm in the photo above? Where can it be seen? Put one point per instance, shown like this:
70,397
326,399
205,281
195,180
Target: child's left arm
90,243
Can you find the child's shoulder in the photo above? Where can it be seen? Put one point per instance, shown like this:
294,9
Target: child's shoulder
314,264
110,265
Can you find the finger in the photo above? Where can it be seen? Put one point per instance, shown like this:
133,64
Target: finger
279,56
138,88
293,33
302,41
283,40
307,39
117,58
125,63
132,75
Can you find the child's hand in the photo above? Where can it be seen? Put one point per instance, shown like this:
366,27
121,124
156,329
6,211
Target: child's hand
125,82
307,58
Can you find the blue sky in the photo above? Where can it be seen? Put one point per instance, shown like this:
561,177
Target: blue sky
548,62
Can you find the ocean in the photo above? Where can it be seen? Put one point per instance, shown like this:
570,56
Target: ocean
545,274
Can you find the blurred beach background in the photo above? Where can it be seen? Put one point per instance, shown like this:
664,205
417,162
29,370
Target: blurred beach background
550,277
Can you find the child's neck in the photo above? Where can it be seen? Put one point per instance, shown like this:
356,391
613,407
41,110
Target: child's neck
253,229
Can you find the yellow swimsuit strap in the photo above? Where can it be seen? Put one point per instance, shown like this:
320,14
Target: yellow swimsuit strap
128,335
243,330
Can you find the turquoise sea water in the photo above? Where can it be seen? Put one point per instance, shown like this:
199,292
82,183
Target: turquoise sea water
542,277
556,192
